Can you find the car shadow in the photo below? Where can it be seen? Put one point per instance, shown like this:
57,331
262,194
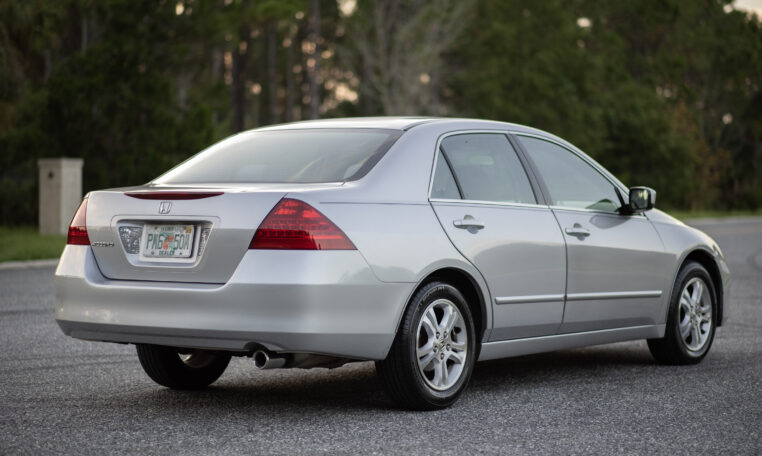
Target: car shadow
588,362
355,386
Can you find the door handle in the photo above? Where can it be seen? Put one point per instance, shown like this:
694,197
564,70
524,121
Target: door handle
577,230
468,223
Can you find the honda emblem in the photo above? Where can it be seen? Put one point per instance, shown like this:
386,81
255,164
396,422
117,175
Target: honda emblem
165,207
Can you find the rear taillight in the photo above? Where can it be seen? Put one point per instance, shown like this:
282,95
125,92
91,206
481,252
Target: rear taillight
295,225
78,226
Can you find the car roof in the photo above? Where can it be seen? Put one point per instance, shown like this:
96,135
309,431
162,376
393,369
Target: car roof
392,123
451,123
395,123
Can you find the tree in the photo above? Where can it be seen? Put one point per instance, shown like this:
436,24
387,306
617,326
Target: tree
399,46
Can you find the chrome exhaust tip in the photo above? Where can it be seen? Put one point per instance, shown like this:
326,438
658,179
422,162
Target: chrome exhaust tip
265,360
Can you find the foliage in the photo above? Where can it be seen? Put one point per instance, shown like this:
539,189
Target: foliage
664,93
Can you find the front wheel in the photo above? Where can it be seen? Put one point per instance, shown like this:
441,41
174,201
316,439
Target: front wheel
191,369
433,354
691,320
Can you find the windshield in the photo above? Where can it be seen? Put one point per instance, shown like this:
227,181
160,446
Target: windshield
286,156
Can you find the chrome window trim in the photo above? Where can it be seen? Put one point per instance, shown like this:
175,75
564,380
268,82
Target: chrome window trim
485,203
594,211
444,136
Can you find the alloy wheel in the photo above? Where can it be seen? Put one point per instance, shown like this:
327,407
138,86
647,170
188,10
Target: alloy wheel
441,344
695,314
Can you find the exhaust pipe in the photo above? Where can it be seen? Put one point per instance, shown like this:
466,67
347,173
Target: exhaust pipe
265,360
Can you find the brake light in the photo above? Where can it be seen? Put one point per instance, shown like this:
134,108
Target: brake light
162,195
295,225
78,226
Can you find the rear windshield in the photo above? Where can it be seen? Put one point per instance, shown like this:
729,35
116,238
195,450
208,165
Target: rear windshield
286,156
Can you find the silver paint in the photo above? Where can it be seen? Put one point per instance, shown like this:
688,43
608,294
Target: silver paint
350,303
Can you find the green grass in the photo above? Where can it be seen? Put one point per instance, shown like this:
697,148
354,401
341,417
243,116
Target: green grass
26,243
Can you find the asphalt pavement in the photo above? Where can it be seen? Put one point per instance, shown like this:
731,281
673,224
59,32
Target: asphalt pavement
64,396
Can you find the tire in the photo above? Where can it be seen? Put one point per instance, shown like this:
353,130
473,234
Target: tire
424,385
691,321
195,370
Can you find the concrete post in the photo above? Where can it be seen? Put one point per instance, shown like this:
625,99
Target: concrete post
60,193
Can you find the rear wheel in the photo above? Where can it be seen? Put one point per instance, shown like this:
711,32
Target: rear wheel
193,369
691,320
433,355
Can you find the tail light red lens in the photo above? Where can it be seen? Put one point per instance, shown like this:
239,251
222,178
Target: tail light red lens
78,226
295,225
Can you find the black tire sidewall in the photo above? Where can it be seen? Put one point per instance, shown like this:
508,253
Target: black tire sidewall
690,270
164,366
431,293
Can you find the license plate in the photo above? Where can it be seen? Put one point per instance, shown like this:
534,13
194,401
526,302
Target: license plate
168,241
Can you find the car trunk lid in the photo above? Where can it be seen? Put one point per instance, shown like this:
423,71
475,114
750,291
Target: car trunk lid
175,234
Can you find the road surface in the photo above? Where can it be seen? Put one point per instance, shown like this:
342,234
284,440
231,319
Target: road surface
64,396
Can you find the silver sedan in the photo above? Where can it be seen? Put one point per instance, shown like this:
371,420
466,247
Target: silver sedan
423,244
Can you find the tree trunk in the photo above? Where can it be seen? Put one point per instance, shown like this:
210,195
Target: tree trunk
289,108
84,38
238,86
302,88
272,82
314,87
263,106
365,88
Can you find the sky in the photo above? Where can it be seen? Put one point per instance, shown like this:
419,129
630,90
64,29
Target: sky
751,5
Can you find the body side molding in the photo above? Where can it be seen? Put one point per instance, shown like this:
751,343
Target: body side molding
577,296
529,298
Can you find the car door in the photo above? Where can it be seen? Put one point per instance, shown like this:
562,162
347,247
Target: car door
616,263
486,204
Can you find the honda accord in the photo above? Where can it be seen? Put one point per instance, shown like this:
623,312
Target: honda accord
423,244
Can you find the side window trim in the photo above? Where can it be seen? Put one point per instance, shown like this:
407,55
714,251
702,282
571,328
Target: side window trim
541,193
441,153
534,183
541,180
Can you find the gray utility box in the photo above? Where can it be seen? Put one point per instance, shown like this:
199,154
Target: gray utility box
60,193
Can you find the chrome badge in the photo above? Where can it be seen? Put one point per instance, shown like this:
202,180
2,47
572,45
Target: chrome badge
165,207
102,244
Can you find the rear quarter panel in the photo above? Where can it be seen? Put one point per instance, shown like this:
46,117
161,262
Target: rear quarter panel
388,217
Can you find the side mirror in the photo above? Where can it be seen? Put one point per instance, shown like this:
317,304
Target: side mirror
641,199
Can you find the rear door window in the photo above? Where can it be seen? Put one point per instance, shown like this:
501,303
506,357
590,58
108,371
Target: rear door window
486,168
444,186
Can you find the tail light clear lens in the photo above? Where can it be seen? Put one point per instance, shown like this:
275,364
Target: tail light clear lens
202,240
295,225
130,236
78,226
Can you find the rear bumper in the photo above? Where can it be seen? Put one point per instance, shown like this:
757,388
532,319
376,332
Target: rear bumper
325,302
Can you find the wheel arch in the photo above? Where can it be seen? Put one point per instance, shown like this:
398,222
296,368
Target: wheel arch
706,260
472,290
